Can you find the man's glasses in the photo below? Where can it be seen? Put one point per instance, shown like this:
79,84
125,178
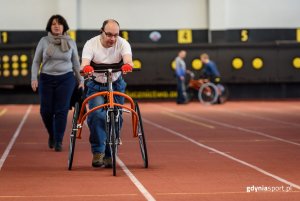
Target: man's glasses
110,35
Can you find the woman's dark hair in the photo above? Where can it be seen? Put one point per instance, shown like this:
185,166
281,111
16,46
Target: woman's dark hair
60,19
106,22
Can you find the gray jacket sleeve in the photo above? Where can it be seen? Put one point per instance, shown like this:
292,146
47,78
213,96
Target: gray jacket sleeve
37,60
75,62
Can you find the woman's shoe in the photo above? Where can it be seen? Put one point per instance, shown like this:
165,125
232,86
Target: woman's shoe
51,142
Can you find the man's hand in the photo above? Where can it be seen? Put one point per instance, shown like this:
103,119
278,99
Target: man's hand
126,68
88,70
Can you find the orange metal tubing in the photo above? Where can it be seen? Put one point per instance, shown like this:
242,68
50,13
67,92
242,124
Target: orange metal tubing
111,104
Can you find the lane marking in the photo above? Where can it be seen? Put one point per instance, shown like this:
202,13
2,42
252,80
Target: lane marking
188,120
13,139
3,111
236,127
222,193
135,181
223,154
141,188
246,130
272,111
211,152
64,196
263,118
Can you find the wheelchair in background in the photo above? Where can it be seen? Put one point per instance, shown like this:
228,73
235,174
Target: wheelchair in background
206,91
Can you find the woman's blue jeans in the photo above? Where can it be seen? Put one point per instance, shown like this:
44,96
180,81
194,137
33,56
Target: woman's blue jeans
55,95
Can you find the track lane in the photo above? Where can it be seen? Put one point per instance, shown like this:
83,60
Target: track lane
188,128
178,170
13,138
257,149
45,172
10,119
195,173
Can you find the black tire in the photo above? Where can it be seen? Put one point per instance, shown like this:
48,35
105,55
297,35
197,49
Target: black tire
112,142
208,93
141,136
73,136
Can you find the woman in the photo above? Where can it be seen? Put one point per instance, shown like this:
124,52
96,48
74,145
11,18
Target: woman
56,58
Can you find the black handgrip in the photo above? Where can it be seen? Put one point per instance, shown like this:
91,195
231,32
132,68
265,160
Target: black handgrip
99,71
114,66
103,68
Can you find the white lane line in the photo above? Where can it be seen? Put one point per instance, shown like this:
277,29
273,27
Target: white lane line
13,139
238,128
263,118
135,181
223,154
66,196
188,120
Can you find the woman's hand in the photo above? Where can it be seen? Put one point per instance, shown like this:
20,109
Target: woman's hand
34,85
81,85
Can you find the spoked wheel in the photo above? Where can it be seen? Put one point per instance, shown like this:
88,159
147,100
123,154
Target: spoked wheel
208,93
141,136
73,135
113,142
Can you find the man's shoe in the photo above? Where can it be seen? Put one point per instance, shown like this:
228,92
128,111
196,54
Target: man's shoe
98,160
58,147
107,162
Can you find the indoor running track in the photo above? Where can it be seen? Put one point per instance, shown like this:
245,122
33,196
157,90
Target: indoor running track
247,150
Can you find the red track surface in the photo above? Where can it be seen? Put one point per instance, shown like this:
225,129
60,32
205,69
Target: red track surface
196,152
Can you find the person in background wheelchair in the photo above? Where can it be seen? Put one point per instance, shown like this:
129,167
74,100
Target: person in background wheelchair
210,70
211,73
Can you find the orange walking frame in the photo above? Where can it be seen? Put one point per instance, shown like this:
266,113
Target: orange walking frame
111,104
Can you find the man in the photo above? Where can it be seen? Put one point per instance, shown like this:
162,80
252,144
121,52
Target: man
210,70
180,71
106,48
